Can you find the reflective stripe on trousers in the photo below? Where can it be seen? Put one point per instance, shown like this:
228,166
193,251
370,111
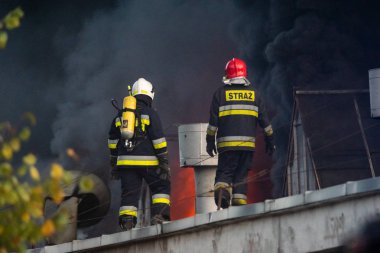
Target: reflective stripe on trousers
137,160
128,210
161,199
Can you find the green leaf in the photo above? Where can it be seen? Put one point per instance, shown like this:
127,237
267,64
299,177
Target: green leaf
18,12
5,169
22,170
11,22
25,134
3,39
86,184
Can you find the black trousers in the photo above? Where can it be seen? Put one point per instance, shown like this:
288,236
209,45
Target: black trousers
233,169
131,182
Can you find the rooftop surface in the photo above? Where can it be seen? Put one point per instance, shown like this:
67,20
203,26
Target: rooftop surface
341,199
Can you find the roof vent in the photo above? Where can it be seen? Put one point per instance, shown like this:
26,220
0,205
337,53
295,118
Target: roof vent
374,91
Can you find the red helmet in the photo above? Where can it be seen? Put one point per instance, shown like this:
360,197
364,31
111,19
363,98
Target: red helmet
236,72
236,68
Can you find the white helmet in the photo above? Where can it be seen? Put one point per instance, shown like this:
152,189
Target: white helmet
143,87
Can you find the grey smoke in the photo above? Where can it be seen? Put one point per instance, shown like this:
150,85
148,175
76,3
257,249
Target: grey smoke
69,59
179,47
308,44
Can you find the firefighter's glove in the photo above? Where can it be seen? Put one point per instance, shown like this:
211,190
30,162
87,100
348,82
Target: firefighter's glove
163,170
210,147
269,145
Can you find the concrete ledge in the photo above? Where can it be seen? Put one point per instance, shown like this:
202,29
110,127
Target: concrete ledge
61,248
326,194
178,225
202,219
363,186
244,211
351,192
115,238
219,215
146,232
287,202
87,243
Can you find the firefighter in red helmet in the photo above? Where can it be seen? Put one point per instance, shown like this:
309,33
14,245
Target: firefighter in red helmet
235,111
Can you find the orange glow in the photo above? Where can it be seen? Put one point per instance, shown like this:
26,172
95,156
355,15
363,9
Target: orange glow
259,183
182,193
183,183
70,152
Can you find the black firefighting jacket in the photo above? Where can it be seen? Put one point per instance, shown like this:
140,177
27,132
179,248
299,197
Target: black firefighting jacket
151,141
234,114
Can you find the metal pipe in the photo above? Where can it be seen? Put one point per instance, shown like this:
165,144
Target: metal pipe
364,138
329,92
290,148
305,172
313,163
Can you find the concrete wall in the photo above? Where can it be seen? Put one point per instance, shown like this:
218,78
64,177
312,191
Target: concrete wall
309,222
306,230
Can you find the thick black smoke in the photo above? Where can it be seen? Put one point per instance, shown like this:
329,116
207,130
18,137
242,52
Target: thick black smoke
306,44
69,58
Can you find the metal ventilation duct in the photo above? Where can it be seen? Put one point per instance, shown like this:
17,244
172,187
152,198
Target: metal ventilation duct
374,91
192,149
86,208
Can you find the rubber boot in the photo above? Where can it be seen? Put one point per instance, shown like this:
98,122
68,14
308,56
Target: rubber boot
160,213
127,222
225,198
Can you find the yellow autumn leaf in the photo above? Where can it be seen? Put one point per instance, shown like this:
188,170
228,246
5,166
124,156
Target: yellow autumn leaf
67,178
12,198
48,228
7,187
11,22
22,170
61,219
23,193
5,169
25,217
56,171
18,12
3,39
37,191
36,211
30,117
34,174
3,250
30,159
58,196
24,134
15,144
7,152
86,184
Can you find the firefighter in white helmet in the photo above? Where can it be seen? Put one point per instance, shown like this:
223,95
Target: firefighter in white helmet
235,111
144,155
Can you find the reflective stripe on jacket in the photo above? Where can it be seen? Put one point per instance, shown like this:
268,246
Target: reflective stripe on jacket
153,142
234,114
